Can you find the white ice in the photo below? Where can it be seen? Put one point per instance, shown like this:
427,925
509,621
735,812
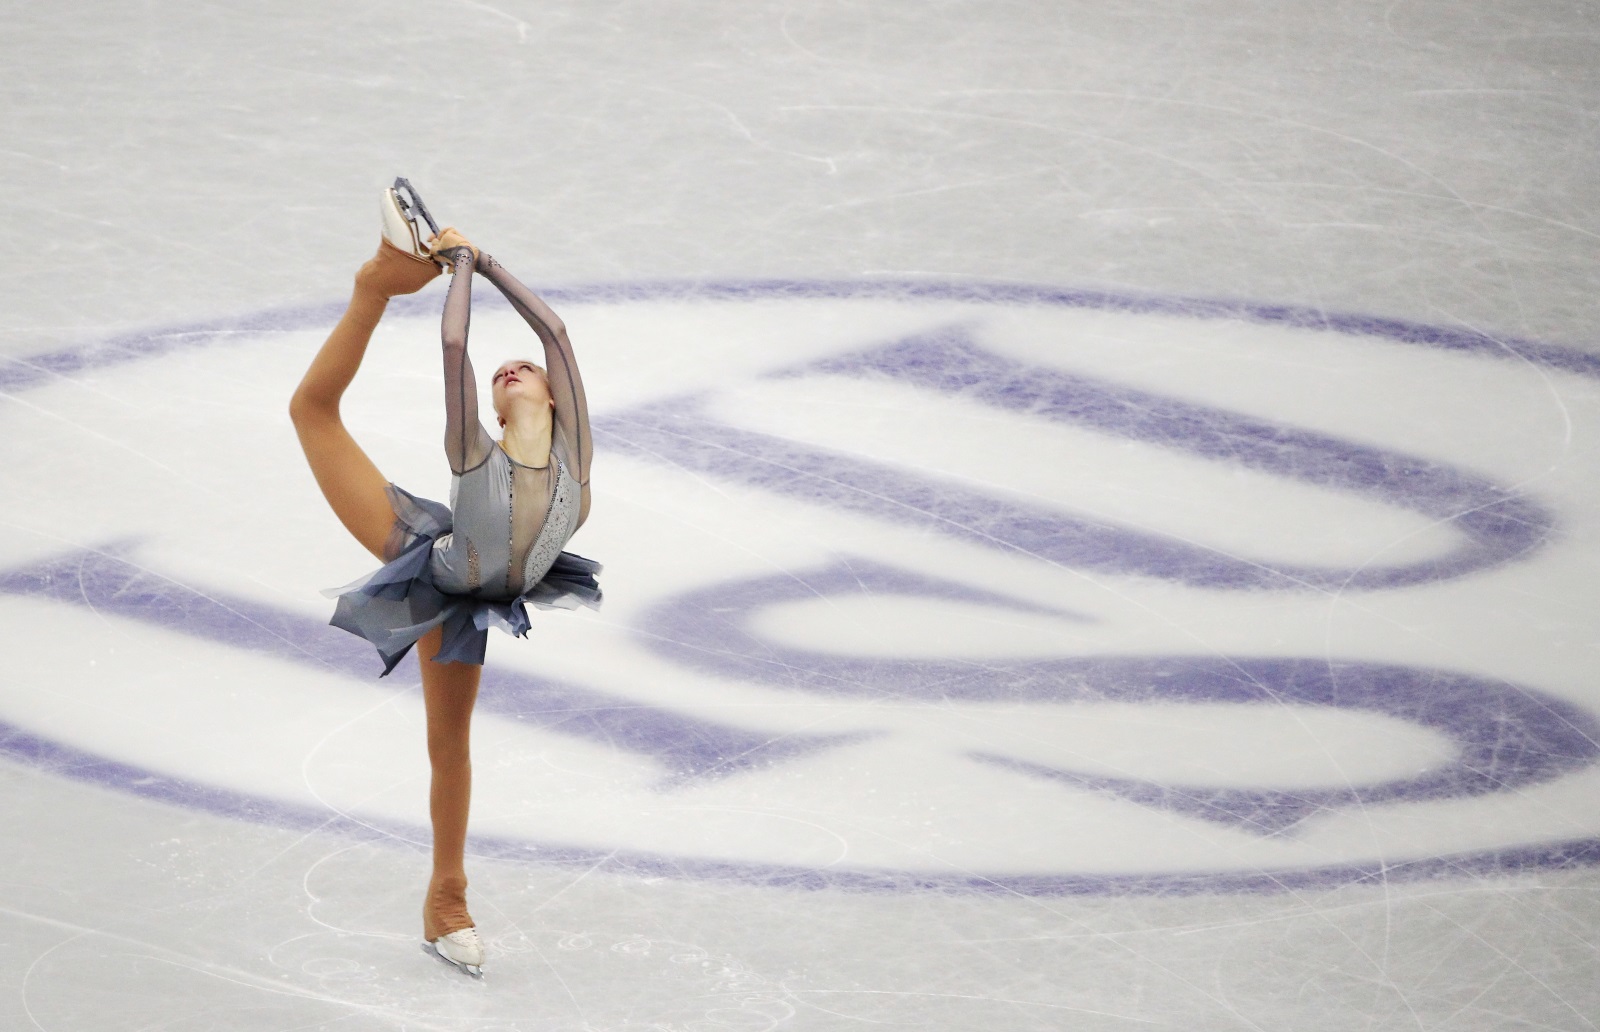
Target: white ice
201,180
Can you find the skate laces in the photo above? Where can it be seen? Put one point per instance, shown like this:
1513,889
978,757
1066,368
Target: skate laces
467,937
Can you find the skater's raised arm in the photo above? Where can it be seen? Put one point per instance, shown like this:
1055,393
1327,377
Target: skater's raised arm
561,366
466,442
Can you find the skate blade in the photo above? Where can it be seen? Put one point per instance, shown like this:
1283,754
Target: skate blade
401,232
411,206
471,969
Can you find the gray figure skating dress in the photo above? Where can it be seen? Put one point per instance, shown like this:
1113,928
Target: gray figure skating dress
498,545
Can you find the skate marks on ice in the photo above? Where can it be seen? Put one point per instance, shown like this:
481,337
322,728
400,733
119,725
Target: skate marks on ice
322,939
907,585
563,957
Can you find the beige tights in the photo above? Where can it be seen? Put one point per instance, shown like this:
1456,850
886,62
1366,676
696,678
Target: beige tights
449,691
358,494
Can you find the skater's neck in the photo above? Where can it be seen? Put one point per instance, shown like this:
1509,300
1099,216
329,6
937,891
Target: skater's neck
527,435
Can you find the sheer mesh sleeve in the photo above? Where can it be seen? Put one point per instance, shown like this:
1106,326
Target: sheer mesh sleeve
566,386
466,442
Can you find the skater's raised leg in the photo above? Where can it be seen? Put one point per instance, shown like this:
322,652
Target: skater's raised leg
348,479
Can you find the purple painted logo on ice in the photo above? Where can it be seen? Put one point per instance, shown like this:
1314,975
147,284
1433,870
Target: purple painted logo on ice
1498,525
1506,737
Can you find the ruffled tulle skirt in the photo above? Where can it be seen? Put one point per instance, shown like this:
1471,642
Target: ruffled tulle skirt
398,603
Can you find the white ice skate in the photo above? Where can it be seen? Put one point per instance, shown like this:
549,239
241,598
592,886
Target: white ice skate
463,949
402,209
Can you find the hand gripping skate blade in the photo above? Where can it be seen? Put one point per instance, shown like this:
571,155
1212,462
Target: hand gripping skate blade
472,969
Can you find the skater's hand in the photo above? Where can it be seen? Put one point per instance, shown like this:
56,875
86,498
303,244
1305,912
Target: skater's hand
391,272
447,242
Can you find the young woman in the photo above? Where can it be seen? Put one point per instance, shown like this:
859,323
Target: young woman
451,572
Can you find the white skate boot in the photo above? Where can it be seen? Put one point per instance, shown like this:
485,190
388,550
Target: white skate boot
463,949
402,209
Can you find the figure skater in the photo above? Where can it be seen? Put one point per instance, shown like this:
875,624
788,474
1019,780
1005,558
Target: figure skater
449,573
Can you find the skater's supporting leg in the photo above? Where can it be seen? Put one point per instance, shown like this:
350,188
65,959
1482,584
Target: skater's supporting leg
449,692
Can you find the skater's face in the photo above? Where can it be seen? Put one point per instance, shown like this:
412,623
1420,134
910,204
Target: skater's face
518,381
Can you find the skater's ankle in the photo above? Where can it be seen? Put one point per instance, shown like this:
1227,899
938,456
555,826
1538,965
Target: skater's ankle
445,909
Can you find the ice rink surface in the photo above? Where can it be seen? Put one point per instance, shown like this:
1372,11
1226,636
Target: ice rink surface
1100,506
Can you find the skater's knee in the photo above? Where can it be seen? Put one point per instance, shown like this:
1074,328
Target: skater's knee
449,740
308,407
449,750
